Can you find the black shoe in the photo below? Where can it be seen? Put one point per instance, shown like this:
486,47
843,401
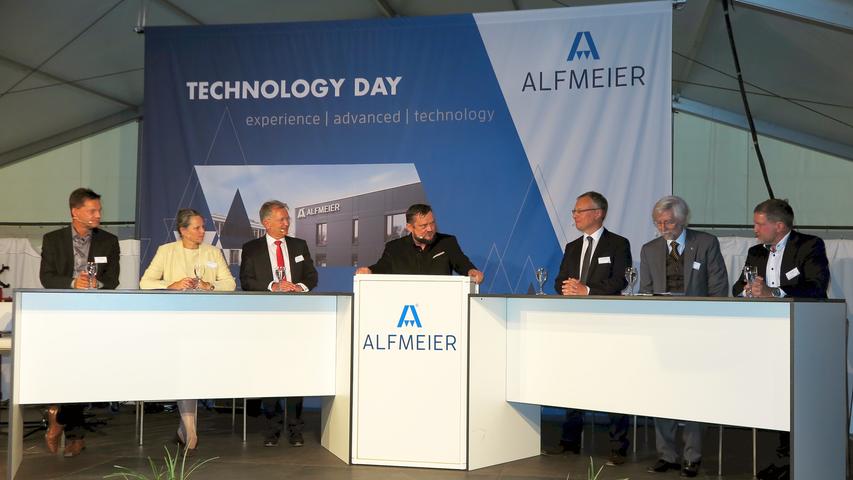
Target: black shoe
562,449
296,440
663,466
271,442
773,472
616,458
690,469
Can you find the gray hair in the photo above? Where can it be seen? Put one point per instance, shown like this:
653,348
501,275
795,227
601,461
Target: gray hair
598,199
677,205
184,216
269,206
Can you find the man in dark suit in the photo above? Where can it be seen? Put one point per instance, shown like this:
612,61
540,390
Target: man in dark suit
789,264
289,256
65,254
593,264
688,262
424,251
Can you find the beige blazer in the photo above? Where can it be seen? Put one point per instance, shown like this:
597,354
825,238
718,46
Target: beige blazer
169,266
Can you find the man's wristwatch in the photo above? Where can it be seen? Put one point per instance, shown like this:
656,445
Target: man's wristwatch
776,292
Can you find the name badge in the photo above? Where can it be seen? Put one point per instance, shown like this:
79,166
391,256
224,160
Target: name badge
298,258
211,265
603,260
100,259
438,255
792,273
697,265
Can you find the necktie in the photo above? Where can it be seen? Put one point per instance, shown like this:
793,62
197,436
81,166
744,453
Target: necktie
674,252
279,256
587,256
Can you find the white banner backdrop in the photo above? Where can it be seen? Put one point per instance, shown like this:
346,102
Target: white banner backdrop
608,69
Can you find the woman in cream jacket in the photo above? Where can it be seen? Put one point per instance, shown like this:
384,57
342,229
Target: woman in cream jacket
174,267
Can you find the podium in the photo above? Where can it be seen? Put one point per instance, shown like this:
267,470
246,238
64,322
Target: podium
410,374
164,345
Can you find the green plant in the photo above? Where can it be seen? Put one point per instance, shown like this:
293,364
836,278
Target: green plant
592,473
173,468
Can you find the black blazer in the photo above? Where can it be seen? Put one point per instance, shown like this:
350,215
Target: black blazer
606,278
57,258
256,270
443,257
807,254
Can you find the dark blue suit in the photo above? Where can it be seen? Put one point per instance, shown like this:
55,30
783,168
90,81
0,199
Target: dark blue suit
606,278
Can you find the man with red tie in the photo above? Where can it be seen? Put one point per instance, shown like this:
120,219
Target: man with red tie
278,263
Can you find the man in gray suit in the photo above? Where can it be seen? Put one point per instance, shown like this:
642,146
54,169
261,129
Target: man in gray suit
684,262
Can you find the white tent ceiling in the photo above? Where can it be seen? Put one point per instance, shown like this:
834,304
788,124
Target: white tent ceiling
73,68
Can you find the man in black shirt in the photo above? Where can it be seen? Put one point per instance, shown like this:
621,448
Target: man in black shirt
424,251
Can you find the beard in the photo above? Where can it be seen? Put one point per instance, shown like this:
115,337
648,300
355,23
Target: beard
423,240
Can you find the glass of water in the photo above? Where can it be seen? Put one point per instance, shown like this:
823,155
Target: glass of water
749,274
541,278
92,272
198,271
279,275
631,278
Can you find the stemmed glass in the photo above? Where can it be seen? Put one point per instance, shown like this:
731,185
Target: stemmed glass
279,275
749,274
92,272
198,271
541,277
631,278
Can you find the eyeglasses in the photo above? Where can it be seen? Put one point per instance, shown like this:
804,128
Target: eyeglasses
669,223
576,211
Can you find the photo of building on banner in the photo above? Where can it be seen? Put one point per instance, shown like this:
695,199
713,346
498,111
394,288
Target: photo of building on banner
346,213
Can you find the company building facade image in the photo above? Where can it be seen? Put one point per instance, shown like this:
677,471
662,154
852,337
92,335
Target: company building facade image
352,231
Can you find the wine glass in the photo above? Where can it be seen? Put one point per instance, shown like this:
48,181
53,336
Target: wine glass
92,272
198,271
541,277
279,275
749,274
631,278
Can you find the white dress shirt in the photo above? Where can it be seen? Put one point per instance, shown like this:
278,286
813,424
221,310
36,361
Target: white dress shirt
596,236
773,271
272,249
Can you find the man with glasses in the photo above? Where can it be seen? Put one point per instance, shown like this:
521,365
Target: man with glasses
681,261
593,264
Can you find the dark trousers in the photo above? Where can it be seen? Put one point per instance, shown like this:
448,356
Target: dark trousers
573,428
71,417
274,414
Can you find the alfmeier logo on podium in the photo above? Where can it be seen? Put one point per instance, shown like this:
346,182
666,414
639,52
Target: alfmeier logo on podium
415,321
409,318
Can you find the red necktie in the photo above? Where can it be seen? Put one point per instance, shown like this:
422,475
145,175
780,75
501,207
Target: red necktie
279,256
